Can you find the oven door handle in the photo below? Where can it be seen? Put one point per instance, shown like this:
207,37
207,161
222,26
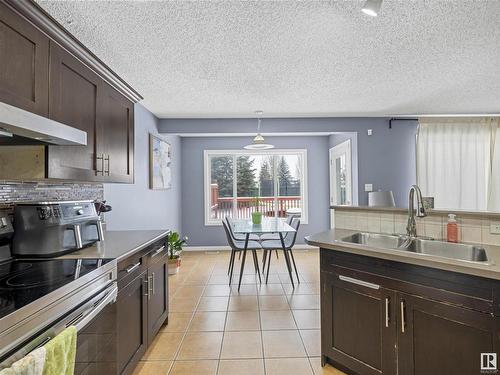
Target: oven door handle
81,321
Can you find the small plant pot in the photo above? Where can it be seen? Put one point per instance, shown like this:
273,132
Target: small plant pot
256,218
173,266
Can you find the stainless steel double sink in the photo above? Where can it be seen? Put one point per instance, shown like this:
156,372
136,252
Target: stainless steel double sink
455,251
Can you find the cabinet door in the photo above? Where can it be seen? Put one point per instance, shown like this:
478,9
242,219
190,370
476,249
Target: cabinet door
438,338
158,303
74,99
116,133
358,324
24,62
132,323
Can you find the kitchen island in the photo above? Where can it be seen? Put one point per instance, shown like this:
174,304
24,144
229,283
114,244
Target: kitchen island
387,311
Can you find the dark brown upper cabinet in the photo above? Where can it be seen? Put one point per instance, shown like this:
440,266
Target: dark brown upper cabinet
45,70
74,99
24,63
115,149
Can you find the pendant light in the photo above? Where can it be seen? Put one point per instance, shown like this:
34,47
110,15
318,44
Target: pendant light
372,7
258,143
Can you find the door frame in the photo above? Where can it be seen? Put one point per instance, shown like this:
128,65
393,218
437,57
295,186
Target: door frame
343,147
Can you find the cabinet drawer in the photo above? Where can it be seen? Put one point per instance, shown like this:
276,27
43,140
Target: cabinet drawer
443,286
130,268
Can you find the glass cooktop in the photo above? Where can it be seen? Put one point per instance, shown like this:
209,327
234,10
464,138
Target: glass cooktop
23,281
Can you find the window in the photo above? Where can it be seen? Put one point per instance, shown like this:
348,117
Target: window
238,183
458,162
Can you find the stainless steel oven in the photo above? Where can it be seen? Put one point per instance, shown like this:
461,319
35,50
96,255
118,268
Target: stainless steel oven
88,302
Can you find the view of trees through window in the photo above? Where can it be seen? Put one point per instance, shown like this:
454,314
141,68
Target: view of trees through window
243,183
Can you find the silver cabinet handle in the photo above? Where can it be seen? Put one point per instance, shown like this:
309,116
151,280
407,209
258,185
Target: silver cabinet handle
146,281
403,320
150,287
359,282
99,157
107,169
387,318
132,267
158,251
153,282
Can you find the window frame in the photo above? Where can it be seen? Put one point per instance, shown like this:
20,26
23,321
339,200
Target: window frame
208,154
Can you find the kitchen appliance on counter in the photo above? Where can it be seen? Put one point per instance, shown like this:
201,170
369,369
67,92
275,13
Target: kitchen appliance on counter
39,298
49,229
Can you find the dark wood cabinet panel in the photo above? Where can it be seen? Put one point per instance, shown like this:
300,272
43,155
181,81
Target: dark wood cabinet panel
24,61
158,303
74,100
132,323
440,338
116,136
384,317
355,331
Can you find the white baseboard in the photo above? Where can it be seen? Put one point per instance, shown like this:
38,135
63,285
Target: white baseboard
227,248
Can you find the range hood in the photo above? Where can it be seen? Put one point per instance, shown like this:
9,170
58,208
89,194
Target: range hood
18,126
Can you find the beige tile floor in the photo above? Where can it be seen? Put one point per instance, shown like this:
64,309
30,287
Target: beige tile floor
263,329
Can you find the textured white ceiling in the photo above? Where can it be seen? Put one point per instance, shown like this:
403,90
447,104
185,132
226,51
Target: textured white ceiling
289,58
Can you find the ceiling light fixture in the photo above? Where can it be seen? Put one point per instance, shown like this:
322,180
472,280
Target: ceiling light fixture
258,143
372,7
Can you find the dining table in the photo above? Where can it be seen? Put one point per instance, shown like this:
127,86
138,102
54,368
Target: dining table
268,225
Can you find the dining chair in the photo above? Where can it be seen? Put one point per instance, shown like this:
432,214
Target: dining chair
239,237
288,242
270,237
239,246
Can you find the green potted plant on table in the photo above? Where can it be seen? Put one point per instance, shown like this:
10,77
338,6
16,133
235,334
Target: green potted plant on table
256,215
175,243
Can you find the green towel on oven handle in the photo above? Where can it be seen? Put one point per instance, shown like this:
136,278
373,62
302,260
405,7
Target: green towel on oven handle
61,353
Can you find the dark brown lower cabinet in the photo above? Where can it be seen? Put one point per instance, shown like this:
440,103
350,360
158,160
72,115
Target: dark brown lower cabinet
142,302
436,336
158,303
132,323
384,317
358,325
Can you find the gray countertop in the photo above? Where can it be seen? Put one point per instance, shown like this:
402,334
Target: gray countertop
119,244
330,239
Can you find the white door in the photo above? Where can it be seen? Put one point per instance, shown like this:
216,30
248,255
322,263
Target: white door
340,177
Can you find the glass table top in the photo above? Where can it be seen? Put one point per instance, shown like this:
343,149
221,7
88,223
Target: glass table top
268,225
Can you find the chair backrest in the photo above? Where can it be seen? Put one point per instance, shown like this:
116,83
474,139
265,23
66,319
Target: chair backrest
290,239
229,236
230,229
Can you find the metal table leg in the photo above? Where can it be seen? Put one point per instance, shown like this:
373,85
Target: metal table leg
287,259
247,236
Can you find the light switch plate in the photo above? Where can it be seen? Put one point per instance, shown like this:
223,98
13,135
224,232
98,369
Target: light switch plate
495,228
368,187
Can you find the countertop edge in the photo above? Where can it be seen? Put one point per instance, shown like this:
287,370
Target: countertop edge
141,246
397,256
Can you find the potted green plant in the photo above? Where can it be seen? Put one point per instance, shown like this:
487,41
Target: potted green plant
256,215
175,243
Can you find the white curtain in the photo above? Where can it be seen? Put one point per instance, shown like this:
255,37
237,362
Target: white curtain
456,159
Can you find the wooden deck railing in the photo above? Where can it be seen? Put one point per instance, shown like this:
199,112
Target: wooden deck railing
245,206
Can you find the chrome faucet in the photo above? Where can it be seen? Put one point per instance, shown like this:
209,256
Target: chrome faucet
411,227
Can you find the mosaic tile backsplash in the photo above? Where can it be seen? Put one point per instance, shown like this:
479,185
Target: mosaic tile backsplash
12,192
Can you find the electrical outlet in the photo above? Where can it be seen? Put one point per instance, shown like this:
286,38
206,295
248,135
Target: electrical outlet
495,228
370,131
368,187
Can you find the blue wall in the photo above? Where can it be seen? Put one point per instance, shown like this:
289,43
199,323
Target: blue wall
135,206
192,184
386,159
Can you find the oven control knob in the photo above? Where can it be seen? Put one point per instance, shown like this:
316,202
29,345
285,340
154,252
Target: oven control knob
80,212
